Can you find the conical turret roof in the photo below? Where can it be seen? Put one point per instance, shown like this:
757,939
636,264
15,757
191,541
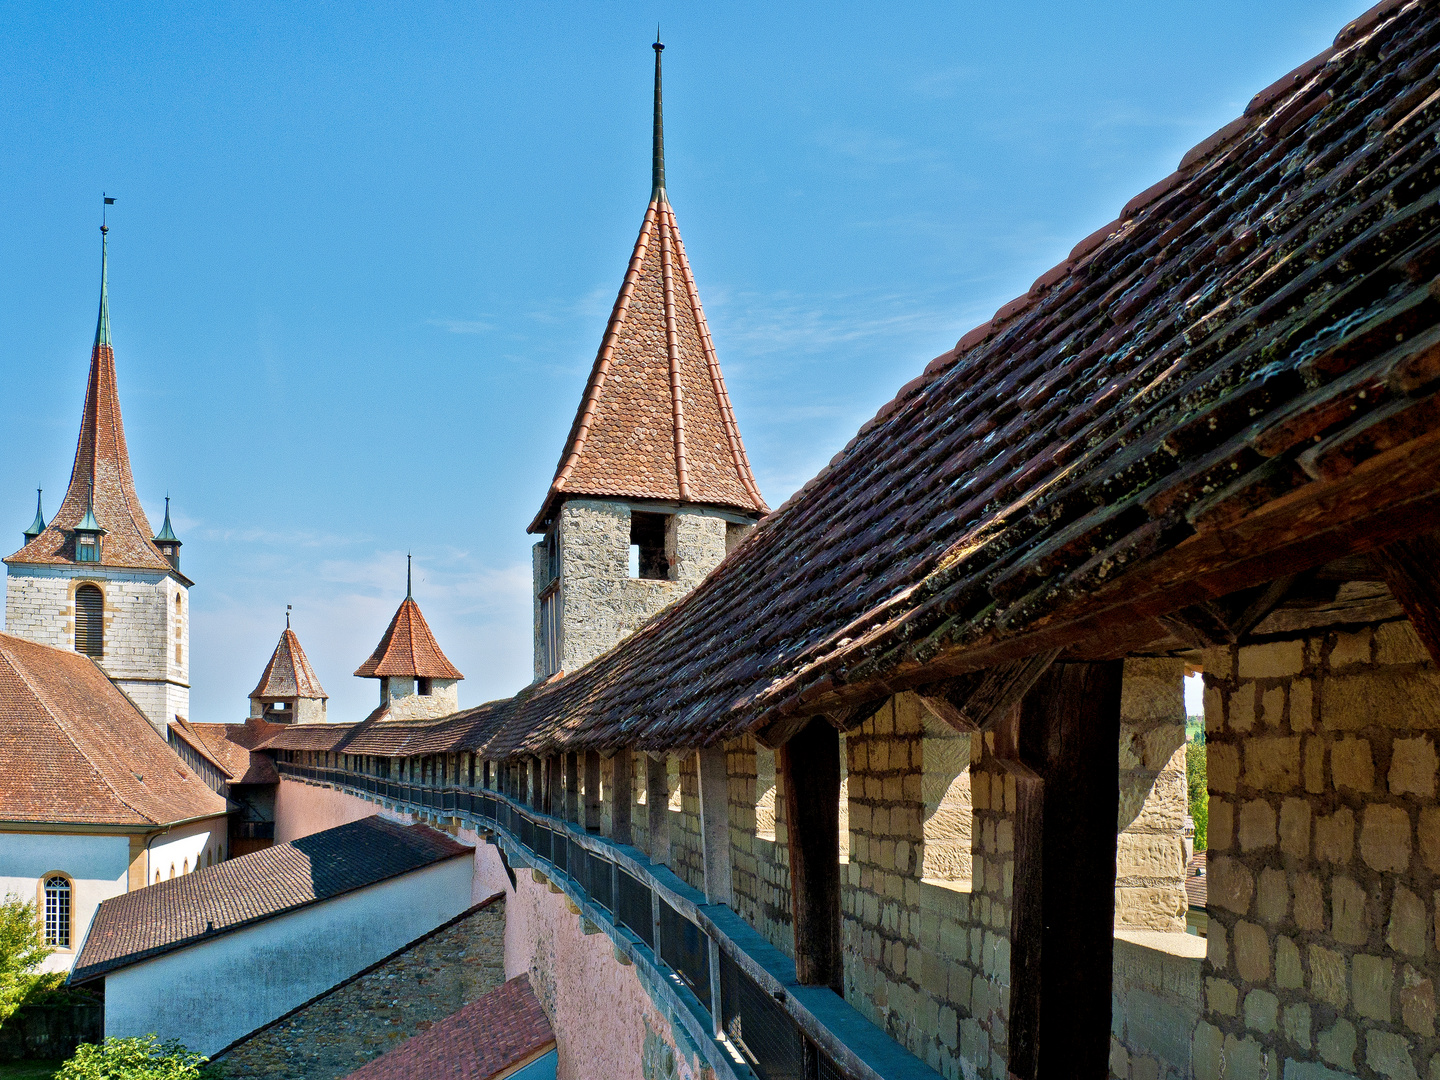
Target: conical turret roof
288,674
655,421
101,459
408,649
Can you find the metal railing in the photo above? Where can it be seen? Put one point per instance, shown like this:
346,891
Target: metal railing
668,924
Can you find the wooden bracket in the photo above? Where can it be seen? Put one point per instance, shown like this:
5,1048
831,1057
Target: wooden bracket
978,700
1412,570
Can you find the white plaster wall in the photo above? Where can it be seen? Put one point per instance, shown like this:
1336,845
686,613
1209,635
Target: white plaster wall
172,850
406,703
97,865
142,628
214,992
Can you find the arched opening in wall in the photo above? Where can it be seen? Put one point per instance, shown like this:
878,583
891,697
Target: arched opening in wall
948,822
765,793
90,621
57,911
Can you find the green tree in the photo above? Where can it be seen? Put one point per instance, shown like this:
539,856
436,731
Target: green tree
142,1058
1198,785
22,950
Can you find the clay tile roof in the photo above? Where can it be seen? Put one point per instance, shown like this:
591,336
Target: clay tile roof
408,649
487,1038
233,747
288,674
655,420
1197,881
201,905
101,456
74,749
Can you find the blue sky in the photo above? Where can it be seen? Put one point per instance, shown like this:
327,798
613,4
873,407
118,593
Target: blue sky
363,254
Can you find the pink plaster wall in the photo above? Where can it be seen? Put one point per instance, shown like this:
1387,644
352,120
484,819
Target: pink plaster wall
302,809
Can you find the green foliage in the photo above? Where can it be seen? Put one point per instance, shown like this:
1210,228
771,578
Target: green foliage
1198,785
22,950
143,1058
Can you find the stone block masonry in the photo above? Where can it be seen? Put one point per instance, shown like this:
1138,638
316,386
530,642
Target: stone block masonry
1324,858
333,1035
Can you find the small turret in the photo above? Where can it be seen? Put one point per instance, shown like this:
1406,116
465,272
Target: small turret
167,541
88,533
416,680
38,525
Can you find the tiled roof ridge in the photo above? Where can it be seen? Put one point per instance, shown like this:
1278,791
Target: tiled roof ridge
672,349
43,700
408,622
192,738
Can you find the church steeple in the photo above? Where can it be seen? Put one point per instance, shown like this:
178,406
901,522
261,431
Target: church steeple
167,541
38,525
655,421
102,323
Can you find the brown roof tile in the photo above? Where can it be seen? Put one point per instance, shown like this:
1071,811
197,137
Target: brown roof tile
182,911
232,747
655,421
408,649
288,674
73,749
505,1028
1197,882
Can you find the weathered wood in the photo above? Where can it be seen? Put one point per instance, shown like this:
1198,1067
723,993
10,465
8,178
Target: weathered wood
981,699
592,791
657,809
572,788
1412,570
848,719
537,784
1068,733
810,765
947,712
715,823
623,795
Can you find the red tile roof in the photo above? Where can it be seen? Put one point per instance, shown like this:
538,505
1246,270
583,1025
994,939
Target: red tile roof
75,750
288,674
655,421
1197,881
408,649
232,747
203,904
487,1038
1236,379
101,455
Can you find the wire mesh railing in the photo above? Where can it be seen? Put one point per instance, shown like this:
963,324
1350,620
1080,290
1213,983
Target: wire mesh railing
754,1022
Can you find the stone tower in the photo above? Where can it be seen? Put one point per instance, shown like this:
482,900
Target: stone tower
94,579
416,680
653,488
288,692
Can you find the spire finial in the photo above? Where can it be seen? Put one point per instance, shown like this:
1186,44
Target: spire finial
657,145
407,575
287,616
38,525
102,324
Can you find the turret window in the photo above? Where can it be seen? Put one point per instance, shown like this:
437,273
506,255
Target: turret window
90,621
87,547
424,688
647,546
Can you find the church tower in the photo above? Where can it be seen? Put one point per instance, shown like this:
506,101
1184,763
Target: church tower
653,487
94,579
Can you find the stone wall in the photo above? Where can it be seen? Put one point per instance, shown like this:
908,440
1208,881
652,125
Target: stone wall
1155,998
142,628
334,1034
1150,856
687,854
759,864
1324,854
407,703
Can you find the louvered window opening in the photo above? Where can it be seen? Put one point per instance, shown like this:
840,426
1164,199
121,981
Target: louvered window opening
90,621
57,912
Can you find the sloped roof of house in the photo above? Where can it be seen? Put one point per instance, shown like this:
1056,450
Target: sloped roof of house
232,747
655,420
288,674
487,1038
218,899
1233,381
408,649
101,457
75,750
1197,882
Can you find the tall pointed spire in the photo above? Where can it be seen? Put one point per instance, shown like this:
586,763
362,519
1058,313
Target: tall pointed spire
38,525
102,489
656,349
407,575
657,137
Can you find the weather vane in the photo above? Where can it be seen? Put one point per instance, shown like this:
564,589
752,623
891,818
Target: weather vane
109,201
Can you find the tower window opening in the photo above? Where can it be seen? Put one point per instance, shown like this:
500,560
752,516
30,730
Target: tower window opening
424,686
90,621
647,546
550,632
57,912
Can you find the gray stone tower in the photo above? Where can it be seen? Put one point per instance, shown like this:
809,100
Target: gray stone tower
653,487
288,691
95,579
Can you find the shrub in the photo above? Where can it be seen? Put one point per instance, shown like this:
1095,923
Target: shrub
1198,785
142,1058
22,950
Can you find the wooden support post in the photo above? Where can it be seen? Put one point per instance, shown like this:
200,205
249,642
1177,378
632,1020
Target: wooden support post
622,794
1413,574
592,791
810,765
657,810
537,784
572,788
1069,730
715,824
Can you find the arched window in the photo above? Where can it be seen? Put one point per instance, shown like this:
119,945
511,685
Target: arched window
90,621
57,911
